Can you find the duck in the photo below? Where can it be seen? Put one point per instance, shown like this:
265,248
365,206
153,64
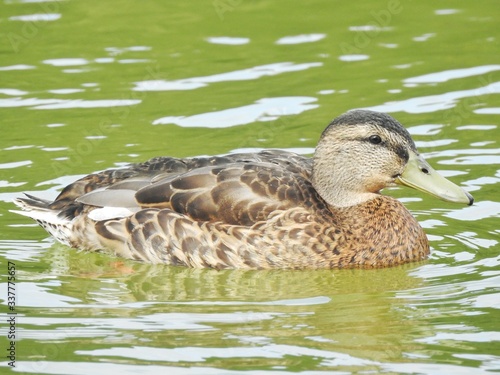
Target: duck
272,209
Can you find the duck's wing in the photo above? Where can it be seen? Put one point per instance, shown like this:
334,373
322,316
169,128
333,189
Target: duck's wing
234,189
237,193
239,189
136,176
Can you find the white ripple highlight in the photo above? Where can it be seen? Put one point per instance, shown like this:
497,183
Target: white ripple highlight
433,103
448,75
266,109
237,75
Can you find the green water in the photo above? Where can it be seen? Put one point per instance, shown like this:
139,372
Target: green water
89,85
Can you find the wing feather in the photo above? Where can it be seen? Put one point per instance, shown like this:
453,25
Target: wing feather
237,193
239,189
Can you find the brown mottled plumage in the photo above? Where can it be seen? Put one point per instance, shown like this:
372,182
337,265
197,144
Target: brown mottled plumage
272,209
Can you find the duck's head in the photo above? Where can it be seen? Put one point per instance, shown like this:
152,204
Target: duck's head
362,152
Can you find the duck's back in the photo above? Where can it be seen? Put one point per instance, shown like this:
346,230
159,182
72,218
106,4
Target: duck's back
237,189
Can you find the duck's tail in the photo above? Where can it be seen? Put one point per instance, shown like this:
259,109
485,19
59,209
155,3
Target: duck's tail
51,220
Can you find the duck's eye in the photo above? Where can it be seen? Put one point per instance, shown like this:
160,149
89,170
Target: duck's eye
375,139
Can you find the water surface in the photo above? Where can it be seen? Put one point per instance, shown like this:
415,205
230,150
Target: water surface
86,86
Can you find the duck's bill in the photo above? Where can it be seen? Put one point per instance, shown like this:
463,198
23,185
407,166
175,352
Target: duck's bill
419,175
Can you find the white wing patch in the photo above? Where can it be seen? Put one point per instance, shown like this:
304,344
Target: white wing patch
108,213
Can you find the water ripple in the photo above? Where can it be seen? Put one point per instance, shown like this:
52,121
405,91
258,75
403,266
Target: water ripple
480,210
237,75
201,354
66,62
447,75
228,40
357,57
15,164
433,103
13,92
36,17
299,39
160,321
36,103
488,111
85,368
17,67
266,109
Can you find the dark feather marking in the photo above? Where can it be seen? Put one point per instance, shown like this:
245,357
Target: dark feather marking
144,215
257,187
175,261
149,229
130,225
221,252
158,243
402,152
293,194
165,216
179,202
200,208
155,195
237,233
295,233
273,185
179,228
264,176
189,244
246,219
103,228
282,190
137,241
195,181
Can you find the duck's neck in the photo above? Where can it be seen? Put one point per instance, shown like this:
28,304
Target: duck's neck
338,186
343,198
380,232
